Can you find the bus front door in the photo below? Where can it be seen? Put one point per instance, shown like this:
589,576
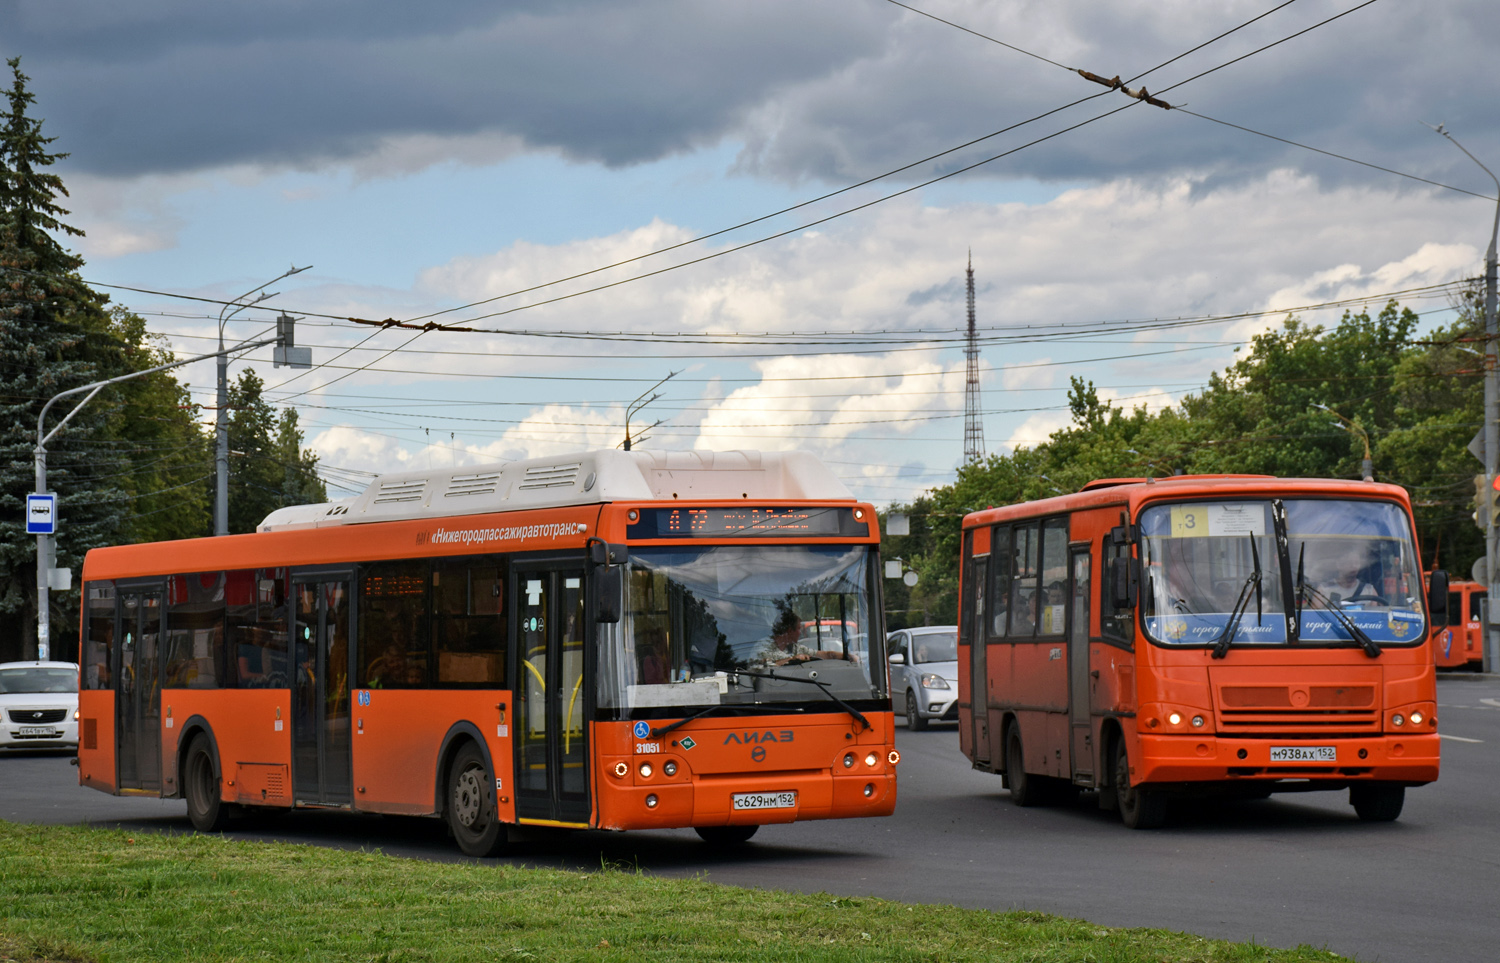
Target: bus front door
551,751
1080,721
138,693
979,685
321,762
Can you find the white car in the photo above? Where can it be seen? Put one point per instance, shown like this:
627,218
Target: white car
38,705
924,673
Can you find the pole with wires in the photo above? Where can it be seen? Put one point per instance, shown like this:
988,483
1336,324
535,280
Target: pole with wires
1491,649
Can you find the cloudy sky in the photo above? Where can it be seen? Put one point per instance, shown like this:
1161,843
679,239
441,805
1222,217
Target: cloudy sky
496,162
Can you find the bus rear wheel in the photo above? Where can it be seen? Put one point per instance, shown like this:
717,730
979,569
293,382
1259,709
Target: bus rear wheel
200,784
471,807
1376,802
725,835
1139,808
1025,790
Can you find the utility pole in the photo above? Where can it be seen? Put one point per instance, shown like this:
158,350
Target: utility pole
1491,650
973,422
221,412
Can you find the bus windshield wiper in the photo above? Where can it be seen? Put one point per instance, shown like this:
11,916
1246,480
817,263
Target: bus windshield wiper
822,686
1226,637
1356,634
658,733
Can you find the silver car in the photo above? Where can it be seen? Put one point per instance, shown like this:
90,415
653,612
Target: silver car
38,705
924,674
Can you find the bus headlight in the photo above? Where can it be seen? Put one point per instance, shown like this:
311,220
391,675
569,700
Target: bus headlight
893,757
621,770
848,760
1416,718
871,759
646,770
1175,718
669,768
651,801
1398,720
1197,722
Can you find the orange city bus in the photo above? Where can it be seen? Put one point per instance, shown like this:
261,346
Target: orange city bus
1194,634
607,640
1458,640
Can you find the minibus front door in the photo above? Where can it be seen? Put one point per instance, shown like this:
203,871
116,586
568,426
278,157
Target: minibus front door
551,750
1080,716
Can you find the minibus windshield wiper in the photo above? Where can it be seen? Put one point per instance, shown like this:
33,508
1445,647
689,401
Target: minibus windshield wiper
658,733
1226,637
1356,634
823,686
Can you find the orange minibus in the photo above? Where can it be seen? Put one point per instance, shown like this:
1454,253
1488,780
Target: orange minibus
1458,640
1177,637
608,640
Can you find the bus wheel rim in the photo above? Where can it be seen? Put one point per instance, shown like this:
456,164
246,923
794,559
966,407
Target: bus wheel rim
468,796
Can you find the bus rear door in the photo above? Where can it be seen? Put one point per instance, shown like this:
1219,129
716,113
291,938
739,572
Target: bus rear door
138,699
551,751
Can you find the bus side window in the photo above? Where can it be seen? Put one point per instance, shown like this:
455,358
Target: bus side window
1455,608
999,575
100,636
393,652
1476,601
1113,623
193,656
468,621
255,627
1052,594
1024,583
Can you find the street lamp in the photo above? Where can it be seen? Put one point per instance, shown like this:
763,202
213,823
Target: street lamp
221,415
1491,648
640,402
1368,468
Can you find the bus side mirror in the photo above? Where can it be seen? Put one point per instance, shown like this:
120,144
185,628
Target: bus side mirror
1124,577
609,584
1437,597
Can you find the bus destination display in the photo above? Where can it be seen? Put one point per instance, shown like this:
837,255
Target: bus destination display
759,522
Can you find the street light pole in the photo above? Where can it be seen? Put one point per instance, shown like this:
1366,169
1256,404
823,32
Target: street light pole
1367,469
1491,649
44,543
221,412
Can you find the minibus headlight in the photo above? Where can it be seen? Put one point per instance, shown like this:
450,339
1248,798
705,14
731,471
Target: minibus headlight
651,801
1416,718
621,770
869,789
848,760
1175,718
1197,722
1398,720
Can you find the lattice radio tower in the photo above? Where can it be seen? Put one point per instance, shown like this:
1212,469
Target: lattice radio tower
973,425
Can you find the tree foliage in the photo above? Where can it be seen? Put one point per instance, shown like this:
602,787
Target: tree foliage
1300,403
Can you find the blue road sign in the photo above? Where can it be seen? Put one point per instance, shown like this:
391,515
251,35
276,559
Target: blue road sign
41,514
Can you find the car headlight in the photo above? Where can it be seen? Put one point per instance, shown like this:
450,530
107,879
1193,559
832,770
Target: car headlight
931,680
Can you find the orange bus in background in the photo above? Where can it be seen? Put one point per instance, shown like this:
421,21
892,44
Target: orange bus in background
605,640
1458,640
1157,637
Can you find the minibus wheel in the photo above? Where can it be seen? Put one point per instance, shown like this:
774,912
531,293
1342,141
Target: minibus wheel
208,812
1377,802
725,835
471,809
1025,790
1139,808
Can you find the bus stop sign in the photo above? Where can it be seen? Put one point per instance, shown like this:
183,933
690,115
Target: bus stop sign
41,514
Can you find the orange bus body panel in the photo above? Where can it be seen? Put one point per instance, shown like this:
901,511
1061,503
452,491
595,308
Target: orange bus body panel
255,754
1460,646
96,739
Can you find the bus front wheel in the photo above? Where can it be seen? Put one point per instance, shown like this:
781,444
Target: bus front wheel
1139,808
1377,803
471,805
208,812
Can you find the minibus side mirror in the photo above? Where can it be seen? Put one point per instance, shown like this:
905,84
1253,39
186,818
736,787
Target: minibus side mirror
1124,577
1437,597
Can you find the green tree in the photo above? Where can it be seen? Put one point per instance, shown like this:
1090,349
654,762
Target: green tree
268,466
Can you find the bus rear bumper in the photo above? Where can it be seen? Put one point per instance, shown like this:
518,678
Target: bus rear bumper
1412,760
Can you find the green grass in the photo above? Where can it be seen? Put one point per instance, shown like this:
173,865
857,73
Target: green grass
84,894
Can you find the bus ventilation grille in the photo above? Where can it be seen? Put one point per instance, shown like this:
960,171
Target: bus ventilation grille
402,491
550,476
480,484
1282,709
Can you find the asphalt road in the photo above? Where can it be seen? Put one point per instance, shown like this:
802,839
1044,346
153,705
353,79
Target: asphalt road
1289,870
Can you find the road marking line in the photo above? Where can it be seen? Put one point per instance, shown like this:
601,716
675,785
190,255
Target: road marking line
1491,702
1444,735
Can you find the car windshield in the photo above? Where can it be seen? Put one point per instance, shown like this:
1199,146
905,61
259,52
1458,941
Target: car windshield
38,679
934,647
706,626
1210,566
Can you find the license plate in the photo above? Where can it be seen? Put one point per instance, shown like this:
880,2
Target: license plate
1304,754
764,800
37,731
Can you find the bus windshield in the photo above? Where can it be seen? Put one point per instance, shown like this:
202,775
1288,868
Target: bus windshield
1215,567
712,625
